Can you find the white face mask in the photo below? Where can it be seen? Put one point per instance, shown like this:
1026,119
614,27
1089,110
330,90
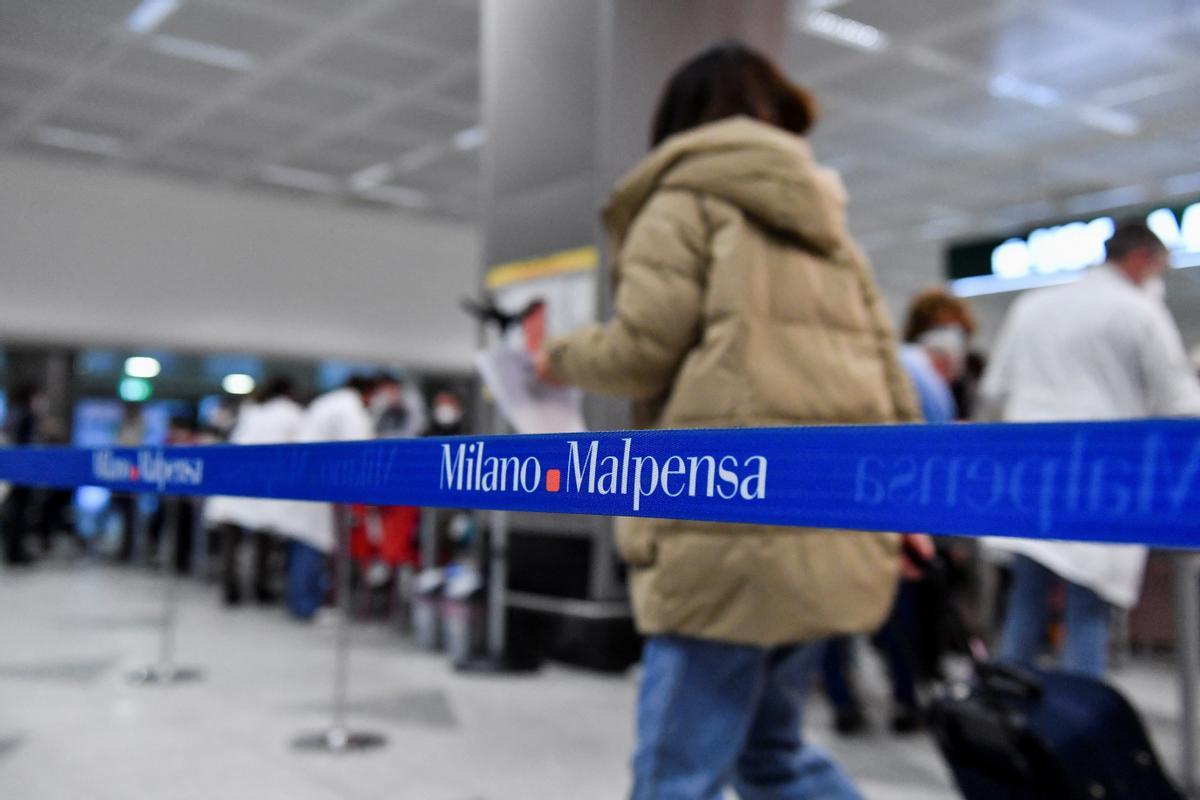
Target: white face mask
447,415
951,342
1156,287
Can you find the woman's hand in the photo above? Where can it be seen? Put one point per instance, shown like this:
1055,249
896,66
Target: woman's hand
542,370
921,546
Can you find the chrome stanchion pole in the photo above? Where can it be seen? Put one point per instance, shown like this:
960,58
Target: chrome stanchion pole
1187,633
165,670
338,738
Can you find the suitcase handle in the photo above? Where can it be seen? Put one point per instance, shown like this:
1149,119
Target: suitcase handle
1010,679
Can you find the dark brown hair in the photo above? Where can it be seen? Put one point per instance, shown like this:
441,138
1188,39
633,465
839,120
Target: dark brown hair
1130,236
729,80
934,307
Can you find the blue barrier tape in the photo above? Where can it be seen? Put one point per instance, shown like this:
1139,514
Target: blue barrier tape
1101,481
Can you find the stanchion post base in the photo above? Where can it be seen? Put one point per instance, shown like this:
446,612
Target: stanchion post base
164,675
339,740
493,665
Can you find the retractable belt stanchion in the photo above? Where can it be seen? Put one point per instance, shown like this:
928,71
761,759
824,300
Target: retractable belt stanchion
338,738
1187,634
165,670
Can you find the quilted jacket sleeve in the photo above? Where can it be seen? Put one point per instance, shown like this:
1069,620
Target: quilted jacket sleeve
660,277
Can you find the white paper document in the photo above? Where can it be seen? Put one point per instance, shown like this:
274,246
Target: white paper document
527,404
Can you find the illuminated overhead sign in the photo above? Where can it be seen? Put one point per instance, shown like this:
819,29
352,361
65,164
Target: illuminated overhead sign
1059,253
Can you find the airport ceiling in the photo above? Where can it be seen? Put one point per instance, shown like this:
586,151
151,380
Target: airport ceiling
944,116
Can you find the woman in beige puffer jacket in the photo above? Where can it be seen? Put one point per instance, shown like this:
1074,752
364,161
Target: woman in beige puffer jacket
741,301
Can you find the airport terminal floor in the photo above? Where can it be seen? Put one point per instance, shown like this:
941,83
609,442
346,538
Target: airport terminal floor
72,725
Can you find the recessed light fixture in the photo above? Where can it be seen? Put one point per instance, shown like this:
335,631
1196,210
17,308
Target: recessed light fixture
1105,119
150,14
1013,88
80,141
142,367
203,53
293,178
238,383
843,30
470,138
372,176
397,196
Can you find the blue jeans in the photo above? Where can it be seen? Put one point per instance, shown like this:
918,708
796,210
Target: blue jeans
1087,616
712,714
307,579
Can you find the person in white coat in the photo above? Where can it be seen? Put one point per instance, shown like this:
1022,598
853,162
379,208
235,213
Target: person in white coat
337,416
1102,348
271,418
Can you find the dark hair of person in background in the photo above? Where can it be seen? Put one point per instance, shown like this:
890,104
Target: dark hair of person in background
935,308
22,396
363,384
385,378
1129,237
276,387
729,80
966,388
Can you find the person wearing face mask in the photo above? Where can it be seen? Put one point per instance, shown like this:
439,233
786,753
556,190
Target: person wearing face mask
936,332
447,414
1104,347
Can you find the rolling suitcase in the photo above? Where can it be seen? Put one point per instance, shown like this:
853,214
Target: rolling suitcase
1039,735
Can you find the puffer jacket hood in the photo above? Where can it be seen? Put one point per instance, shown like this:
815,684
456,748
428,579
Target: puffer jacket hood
767,172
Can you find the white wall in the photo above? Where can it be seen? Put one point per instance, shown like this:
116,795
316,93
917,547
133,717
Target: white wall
96,256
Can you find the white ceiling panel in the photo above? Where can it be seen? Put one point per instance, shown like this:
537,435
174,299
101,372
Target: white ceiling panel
104,99
448,25
427,119
188,76
887,79
1105,68
1034,35
305,95
245,131
228,27
376,63
913,17
21,79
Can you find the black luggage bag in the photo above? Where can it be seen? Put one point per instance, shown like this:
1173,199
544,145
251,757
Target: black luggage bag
1038,735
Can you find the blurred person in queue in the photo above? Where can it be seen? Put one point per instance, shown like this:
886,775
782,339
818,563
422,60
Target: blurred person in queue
340,415
20,428
740,301
1104,347
937,331
272,417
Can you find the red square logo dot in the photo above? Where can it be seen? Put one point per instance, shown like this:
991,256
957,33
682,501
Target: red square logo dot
553,480
133,474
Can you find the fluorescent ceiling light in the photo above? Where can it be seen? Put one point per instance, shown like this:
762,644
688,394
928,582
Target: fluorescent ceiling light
203,53
238,383
142,367
78,140
1106,199
372,176
292,178
470,138
422,156
1013,88
843,30
150,14
1109,121
398,196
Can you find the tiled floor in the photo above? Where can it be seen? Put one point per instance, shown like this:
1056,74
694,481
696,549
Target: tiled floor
72,727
